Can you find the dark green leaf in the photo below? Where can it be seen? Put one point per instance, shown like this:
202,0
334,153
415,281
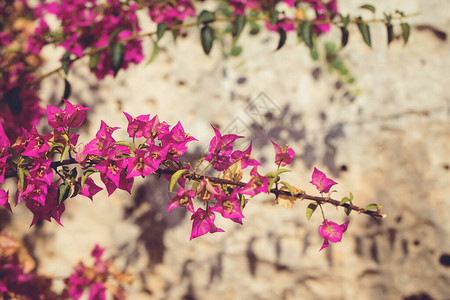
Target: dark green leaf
238,25
369,7
63,192
390,33
94,60
76,189
365,32
177,175
310,210
86,174
306,31
12,97
115,34
155,53
282,38
273,17
347,210
67,89
405,31
344,37
207,39
205,17
371,206
65,62
117,56
160,30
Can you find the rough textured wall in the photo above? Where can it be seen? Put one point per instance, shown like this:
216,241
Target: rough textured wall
388,144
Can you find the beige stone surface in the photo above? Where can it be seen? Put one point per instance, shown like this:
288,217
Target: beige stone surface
393,139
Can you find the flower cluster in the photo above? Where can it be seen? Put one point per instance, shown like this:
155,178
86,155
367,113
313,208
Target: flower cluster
171,12
97,279
45,180
97,24
19,104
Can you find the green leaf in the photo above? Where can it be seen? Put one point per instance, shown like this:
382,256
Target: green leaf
405,31
279,171
314,53
282,40
155,53
205,17
63,192
345,20
160,30
94,60
76,189
65,62
67,89
238,25
115,34
310,210
368,7
55,145
344,37
351,196
390,33
207,39
236,50
273,17
21,176
306,32
65,152
177,175
271,182
242,201
345,199
117,57
365,32
86,174
270,175
123,143
371,206
288,186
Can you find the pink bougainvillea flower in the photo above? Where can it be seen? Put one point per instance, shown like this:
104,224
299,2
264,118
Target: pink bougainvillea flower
244,157
51,208
203,222
256,185
182,198
136,125
284,155
320,180
42,171
229,207
331,232
75,114
112,168
89,188
155,129
4,199
140,165
220,149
